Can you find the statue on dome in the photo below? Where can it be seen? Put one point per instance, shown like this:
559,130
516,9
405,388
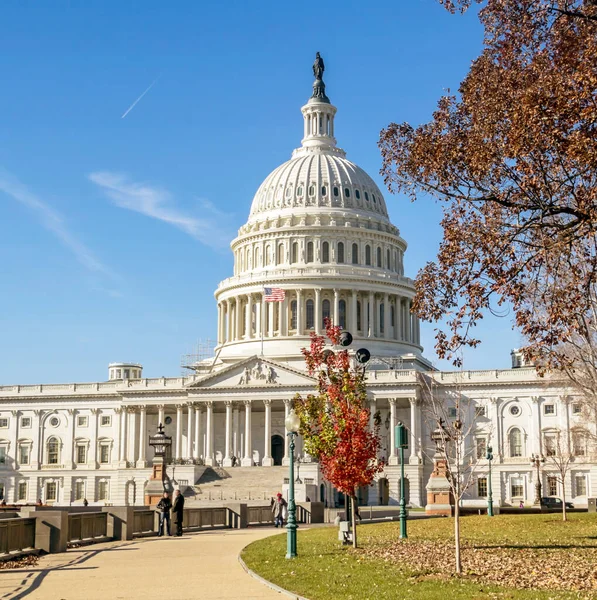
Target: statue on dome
318,67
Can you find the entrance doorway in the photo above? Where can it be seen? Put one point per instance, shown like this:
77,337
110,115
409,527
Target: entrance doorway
277,449
383,490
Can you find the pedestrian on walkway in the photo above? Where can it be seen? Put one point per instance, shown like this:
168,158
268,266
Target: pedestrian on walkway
279,510
177,511
164,506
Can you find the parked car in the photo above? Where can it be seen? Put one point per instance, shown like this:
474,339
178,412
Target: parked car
549,502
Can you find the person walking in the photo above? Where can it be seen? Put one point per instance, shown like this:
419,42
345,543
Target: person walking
279,509
178,511
164,506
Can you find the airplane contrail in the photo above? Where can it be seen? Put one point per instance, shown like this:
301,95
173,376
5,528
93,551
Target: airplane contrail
128,110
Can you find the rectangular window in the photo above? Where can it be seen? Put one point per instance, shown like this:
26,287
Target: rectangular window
102,490
24,450
81,454
3,423
482,487
550,445
549,409
82,421
576,409
2,455
516,487
479,411
51,491
452,413
552,486
578,444
106,421
481,444
22,491
26,422
581,485
79,490
104,454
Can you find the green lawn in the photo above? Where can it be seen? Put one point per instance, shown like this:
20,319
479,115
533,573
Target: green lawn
539,554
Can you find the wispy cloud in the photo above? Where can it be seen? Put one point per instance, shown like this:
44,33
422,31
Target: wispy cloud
158,203
53,221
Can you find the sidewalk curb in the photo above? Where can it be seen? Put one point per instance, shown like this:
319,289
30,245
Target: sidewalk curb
269,584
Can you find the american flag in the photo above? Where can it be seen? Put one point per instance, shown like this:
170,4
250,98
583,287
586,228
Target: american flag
274,294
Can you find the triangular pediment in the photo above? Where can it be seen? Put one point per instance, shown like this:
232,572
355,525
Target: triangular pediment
254,372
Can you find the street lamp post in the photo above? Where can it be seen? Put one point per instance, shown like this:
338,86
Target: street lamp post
292,423
489,457
536,461
402,443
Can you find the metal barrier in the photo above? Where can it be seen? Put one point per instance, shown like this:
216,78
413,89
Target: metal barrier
87,526
143,521
16,535
259,515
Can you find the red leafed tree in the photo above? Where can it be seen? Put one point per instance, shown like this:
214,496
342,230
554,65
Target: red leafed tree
335,422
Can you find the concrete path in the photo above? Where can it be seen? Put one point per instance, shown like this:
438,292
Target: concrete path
197,566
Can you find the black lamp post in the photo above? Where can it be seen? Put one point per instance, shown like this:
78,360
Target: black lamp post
292,424
402,443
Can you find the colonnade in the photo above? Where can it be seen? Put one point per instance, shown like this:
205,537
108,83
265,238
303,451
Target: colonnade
368,314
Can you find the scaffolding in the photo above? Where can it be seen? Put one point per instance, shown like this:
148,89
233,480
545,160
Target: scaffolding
199,360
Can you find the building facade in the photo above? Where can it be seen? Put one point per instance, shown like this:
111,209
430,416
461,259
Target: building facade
319,230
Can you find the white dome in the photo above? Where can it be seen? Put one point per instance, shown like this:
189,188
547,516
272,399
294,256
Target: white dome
317,178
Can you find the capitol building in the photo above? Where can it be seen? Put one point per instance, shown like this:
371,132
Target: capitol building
318,229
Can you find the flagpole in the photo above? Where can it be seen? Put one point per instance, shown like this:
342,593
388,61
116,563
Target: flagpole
262,318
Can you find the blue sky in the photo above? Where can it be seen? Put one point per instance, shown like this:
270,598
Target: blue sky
115,231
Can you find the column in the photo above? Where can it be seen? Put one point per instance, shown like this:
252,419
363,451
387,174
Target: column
209,449
386,317
93,458
372,410
283,316
318,311
536,444
142,462
413,458
219,332
68,460
190,417
258,317
408,321
197,448
37,458
227,456
286,458
247,460
161,416
228,332
495,420
370,316
267,460
122,447
178,441
393,459
132,445
238,314
336,316
299,312
270,319
235,429
249,323
353,313
398,317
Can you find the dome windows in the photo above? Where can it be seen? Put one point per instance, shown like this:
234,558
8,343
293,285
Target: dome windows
310,252
340,254
294,254
310,310
346,192
325,252
368,255
336,191
299,191
325,311
379,265
373,196
323,191
357,194
311,190
355,254
366,196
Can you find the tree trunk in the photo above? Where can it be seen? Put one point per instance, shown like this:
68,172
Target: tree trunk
564,517
354,520
457,536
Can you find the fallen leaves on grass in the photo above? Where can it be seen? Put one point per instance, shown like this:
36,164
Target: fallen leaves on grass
518,567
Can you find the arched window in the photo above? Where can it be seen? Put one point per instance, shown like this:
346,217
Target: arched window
515,442
310,310
355,254
53,451
342,313
340,252
268,255
324,191
335,191
280,259
368,255
248,259
382,310
392,316
347,192
325,312
256,257
293,314
379,257
310,252
388,260
325,252
294,257
359,315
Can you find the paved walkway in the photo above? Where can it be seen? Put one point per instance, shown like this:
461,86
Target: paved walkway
199,565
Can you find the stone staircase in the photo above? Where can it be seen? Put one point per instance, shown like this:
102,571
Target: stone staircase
238,484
